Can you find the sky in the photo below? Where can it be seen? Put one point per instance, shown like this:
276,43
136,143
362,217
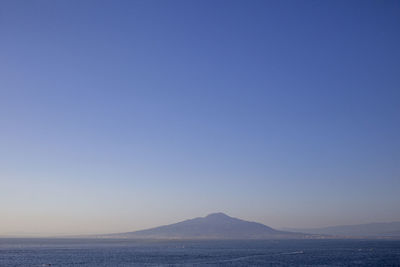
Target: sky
123,115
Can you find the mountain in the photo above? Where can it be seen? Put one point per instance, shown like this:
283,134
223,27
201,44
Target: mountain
213,226
370,230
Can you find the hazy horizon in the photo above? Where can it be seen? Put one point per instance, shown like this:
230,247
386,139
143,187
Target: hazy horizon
83,234
125,115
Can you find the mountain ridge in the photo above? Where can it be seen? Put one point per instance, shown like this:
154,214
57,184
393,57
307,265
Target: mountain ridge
380,229
213,226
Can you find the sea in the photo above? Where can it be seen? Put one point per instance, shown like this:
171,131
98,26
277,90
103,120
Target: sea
19,252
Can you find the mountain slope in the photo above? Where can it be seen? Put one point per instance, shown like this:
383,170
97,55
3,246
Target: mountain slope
360,230
213,226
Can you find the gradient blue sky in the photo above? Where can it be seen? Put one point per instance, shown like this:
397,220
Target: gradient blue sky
122,115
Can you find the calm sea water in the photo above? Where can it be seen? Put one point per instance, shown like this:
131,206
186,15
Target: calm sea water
115,253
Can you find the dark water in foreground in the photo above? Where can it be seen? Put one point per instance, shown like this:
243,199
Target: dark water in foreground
115,253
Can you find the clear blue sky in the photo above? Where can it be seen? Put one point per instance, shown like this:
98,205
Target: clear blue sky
122,115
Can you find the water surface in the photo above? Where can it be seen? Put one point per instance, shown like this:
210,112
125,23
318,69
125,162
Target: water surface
115,253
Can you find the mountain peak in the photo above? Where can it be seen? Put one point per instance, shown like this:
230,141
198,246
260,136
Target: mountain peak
213,226
217,215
